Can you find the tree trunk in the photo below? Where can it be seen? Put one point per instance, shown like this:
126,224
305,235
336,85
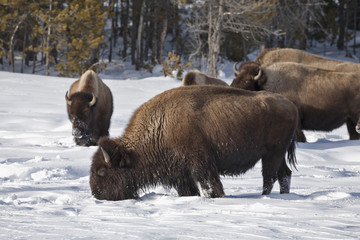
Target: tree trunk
135,23
48,41
138,61
154,35
23,51
214,37
34,62
11,45
348,54
355,25
340,42
148,39
111,39
124,23
116,24
162,39
34,54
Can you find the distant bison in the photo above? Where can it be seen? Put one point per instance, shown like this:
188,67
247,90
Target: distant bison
89,106
274,55
190,135
325,99
195,77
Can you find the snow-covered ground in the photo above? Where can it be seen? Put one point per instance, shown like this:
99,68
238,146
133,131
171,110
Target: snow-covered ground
45,194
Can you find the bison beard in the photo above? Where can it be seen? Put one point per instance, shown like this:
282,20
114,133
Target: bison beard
191,135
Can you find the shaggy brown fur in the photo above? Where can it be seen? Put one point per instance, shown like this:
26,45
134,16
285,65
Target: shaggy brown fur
195,77
325,99
89,107
274,55
190,135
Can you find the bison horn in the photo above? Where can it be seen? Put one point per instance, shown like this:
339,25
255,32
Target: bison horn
67,98
106,156
236,71
258,75
93,101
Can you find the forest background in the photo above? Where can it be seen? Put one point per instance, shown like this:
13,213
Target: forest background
66,38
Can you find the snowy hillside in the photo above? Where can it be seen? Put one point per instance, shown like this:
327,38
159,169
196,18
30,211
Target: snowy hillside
45,194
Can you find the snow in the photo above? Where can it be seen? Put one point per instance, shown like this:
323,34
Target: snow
45,194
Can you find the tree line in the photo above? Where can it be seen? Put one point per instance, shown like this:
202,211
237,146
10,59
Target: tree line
70,37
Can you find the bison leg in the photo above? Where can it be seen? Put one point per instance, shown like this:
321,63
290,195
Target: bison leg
268,183
270,166
209,179
351,127
187,187
211,189
284,177
212,186
300,136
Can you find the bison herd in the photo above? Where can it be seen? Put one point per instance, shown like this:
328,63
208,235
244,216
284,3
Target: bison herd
188,136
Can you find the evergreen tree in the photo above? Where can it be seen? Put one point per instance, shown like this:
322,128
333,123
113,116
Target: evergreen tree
13,16
81,27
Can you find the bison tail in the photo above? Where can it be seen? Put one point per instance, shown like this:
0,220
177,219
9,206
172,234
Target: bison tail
291,154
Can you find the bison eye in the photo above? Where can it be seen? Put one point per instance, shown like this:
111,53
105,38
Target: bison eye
101,172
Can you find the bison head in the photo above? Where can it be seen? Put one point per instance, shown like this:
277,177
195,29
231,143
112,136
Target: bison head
80,107
111,176
248,76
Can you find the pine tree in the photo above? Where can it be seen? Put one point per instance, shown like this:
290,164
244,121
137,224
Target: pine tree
13,16
82,34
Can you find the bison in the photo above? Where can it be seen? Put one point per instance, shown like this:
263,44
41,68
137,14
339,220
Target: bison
190,135
195,77
273,55
89,107
325,99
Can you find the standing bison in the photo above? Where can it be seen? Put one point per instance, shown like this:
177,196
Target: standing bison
190,135
325,99
195,77
89,106
274,55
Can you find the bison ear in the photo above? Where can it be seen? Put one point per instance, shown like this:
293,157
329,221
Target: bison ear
101,172
113,153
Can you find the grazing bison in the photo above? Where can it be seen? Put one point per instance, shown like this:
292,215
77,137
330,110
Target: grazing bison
274,55
190,135
325,99
89,106
195,77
